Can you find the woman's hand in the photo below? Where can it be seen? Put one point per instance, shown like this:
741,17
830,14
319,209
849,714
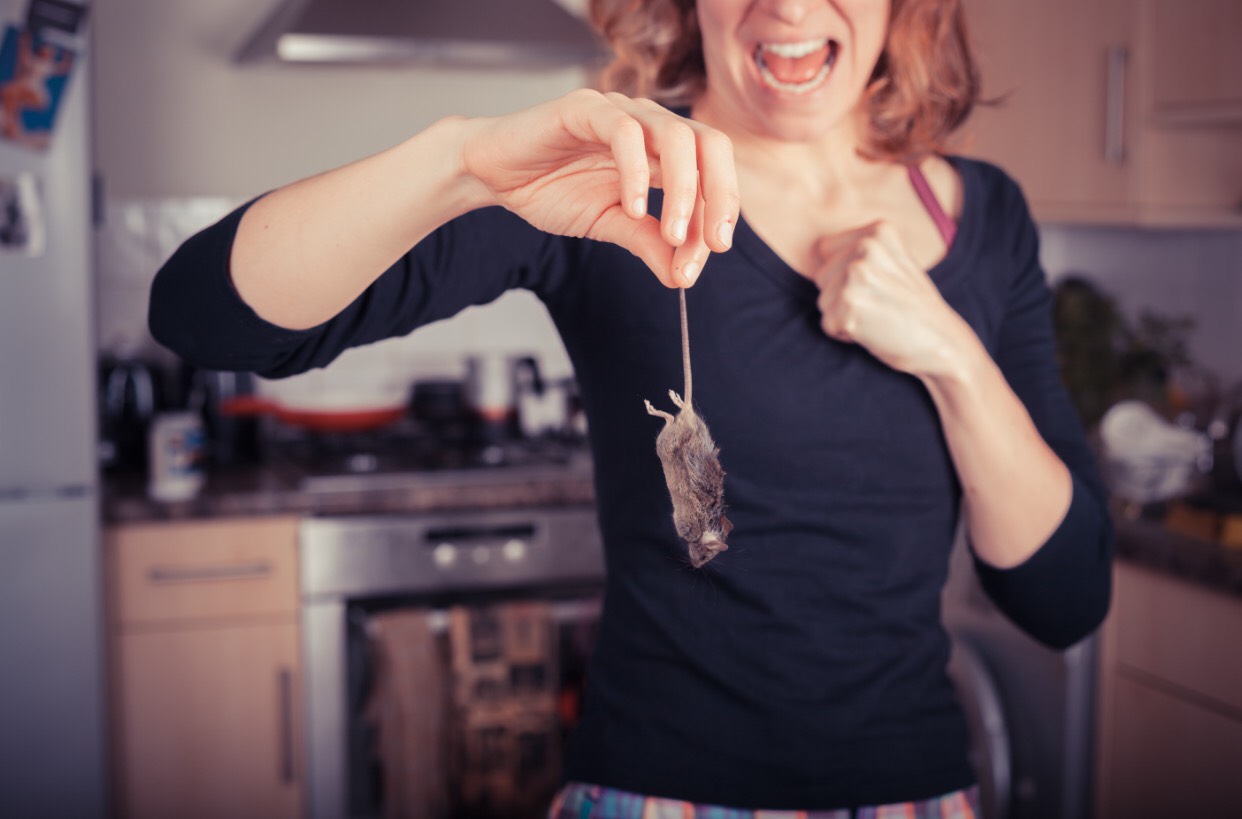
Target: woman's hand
582,165
873,294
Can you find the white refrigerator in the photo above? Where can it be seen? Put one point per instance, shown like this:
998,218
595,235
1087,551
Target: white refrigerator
52,697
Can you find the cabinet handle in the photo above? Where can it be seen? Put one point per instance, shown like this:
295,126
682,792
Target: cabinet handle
284,686
189,574
1115,106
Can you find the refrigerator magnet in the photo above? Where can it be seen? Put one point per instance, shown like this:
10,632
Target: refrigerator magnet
33,76
22,229
63,16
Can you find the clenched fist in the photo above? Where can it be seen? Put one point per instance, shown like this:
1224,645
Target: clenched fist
873,294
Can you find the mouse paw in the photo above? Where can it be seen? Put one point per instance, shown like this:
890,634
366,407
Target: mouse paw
676,398
660,413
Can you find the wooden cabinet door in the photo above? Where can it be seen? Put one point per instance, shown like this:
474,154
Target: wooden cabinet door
206,722
1172,756
1198,49
1059,69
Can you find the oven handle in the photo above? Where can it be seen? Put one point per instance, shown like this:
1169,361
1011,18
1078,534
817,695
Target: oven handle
447,534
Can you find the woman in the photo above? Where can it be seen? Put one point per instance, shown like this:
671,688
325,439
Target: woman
872,351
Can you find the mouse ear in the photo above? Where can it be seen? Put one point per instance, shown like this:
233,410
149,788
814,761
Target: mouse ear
726,526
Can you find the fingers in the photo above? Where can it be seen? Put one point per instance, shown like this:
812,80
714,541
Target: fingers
860,270
591,114
643,239
691,162
878,242
674,144
629,151
718,186
695,167
846,241
688,260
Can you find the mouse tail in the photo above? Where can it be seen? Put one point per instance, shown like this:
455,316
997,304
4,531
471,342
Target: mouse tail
685,345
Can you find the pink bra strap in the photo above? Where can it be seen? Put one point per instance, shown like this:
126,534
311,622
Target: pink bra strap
946,226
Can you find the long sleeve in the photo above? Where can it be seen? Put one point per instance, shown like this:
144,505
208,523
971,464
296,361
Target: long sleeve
1061,593
197,313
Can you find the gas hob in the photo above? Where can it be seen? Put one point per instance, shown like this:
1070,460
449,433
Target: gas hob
387,460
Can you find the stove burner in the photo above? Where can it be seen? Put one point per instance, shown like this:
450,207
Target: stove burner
388,458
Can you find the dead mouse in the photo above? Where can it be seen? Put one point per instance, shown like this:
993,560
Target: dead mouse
692,469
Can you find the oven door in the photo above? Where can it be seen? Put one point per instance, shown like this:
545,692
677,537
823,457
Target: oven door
358,571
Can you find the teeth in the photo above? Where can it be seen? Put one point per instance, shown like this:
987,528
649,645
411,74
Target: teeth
794,50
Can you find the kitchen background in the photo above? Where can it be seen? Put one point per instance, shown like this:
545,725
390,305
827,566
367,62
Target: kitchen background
183,133
181,144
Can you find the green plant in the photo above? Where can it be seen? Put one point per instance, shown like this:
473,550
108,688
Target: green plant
1105,358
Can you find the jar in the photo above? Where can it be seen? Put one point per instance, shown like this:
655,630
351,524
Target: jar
177,451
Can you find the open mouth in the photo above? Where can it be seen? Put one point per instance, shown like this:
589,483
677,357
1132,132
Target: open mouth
796,68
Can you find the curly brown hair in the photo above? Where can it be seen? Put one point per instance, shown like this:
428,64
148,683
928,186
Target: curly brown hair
924,85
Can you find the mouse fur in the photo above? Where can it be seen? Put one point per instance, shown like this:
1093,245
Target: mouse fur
692,470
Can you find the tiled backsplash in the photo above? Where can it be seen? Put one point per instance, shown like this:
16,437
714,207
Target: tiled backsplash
1177,273
139,234
135,239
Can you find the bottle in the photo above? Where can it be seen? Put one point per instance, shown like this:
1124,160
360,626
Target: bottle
177,451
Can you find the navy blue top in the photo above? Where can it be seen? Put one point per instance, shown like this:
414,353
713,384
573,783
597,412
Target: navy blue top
804,668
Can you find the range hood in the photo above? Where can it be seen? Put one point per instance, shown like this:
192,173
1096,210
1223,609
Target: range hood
448,33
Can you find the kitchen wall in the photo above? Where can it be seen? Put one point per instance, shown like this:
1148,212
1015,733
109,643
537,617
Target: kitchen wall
184,134
1171,272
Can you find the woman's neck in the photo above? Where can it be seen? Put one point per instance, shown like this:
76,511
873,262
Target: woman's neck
826,168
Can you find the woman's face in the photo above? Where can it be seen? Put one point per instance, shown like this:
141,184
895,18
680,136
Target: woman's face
790,69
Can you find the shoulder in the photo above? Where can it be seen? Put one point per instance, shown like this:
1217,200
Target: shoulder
946,183
955,179
992,184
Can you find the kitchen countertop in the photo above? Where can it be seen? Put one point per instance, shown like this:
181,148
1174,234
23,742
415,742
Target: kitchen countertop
259,490
1147,543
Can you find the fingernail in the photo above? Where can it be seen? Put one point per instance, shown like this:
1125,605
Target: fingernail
679,229
725,233
690,273
640,205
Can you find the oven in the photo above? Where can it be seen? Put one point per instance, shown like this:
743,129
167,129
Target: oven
357,571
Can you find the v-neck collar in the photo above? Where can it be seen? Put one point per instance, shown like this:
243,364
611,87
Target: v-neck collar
762,256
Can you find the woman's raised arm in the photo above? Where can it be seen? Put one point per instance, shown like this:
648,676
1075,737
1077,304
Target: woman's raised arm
580,165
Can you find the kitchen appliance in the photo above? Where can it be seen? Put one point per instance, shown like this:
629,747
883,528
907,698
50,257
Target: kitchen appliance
1030,709
410,456
360,572
231,440
490,382
439,404
447,33
131,392
1148,459
1224,428
52,742
355,569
